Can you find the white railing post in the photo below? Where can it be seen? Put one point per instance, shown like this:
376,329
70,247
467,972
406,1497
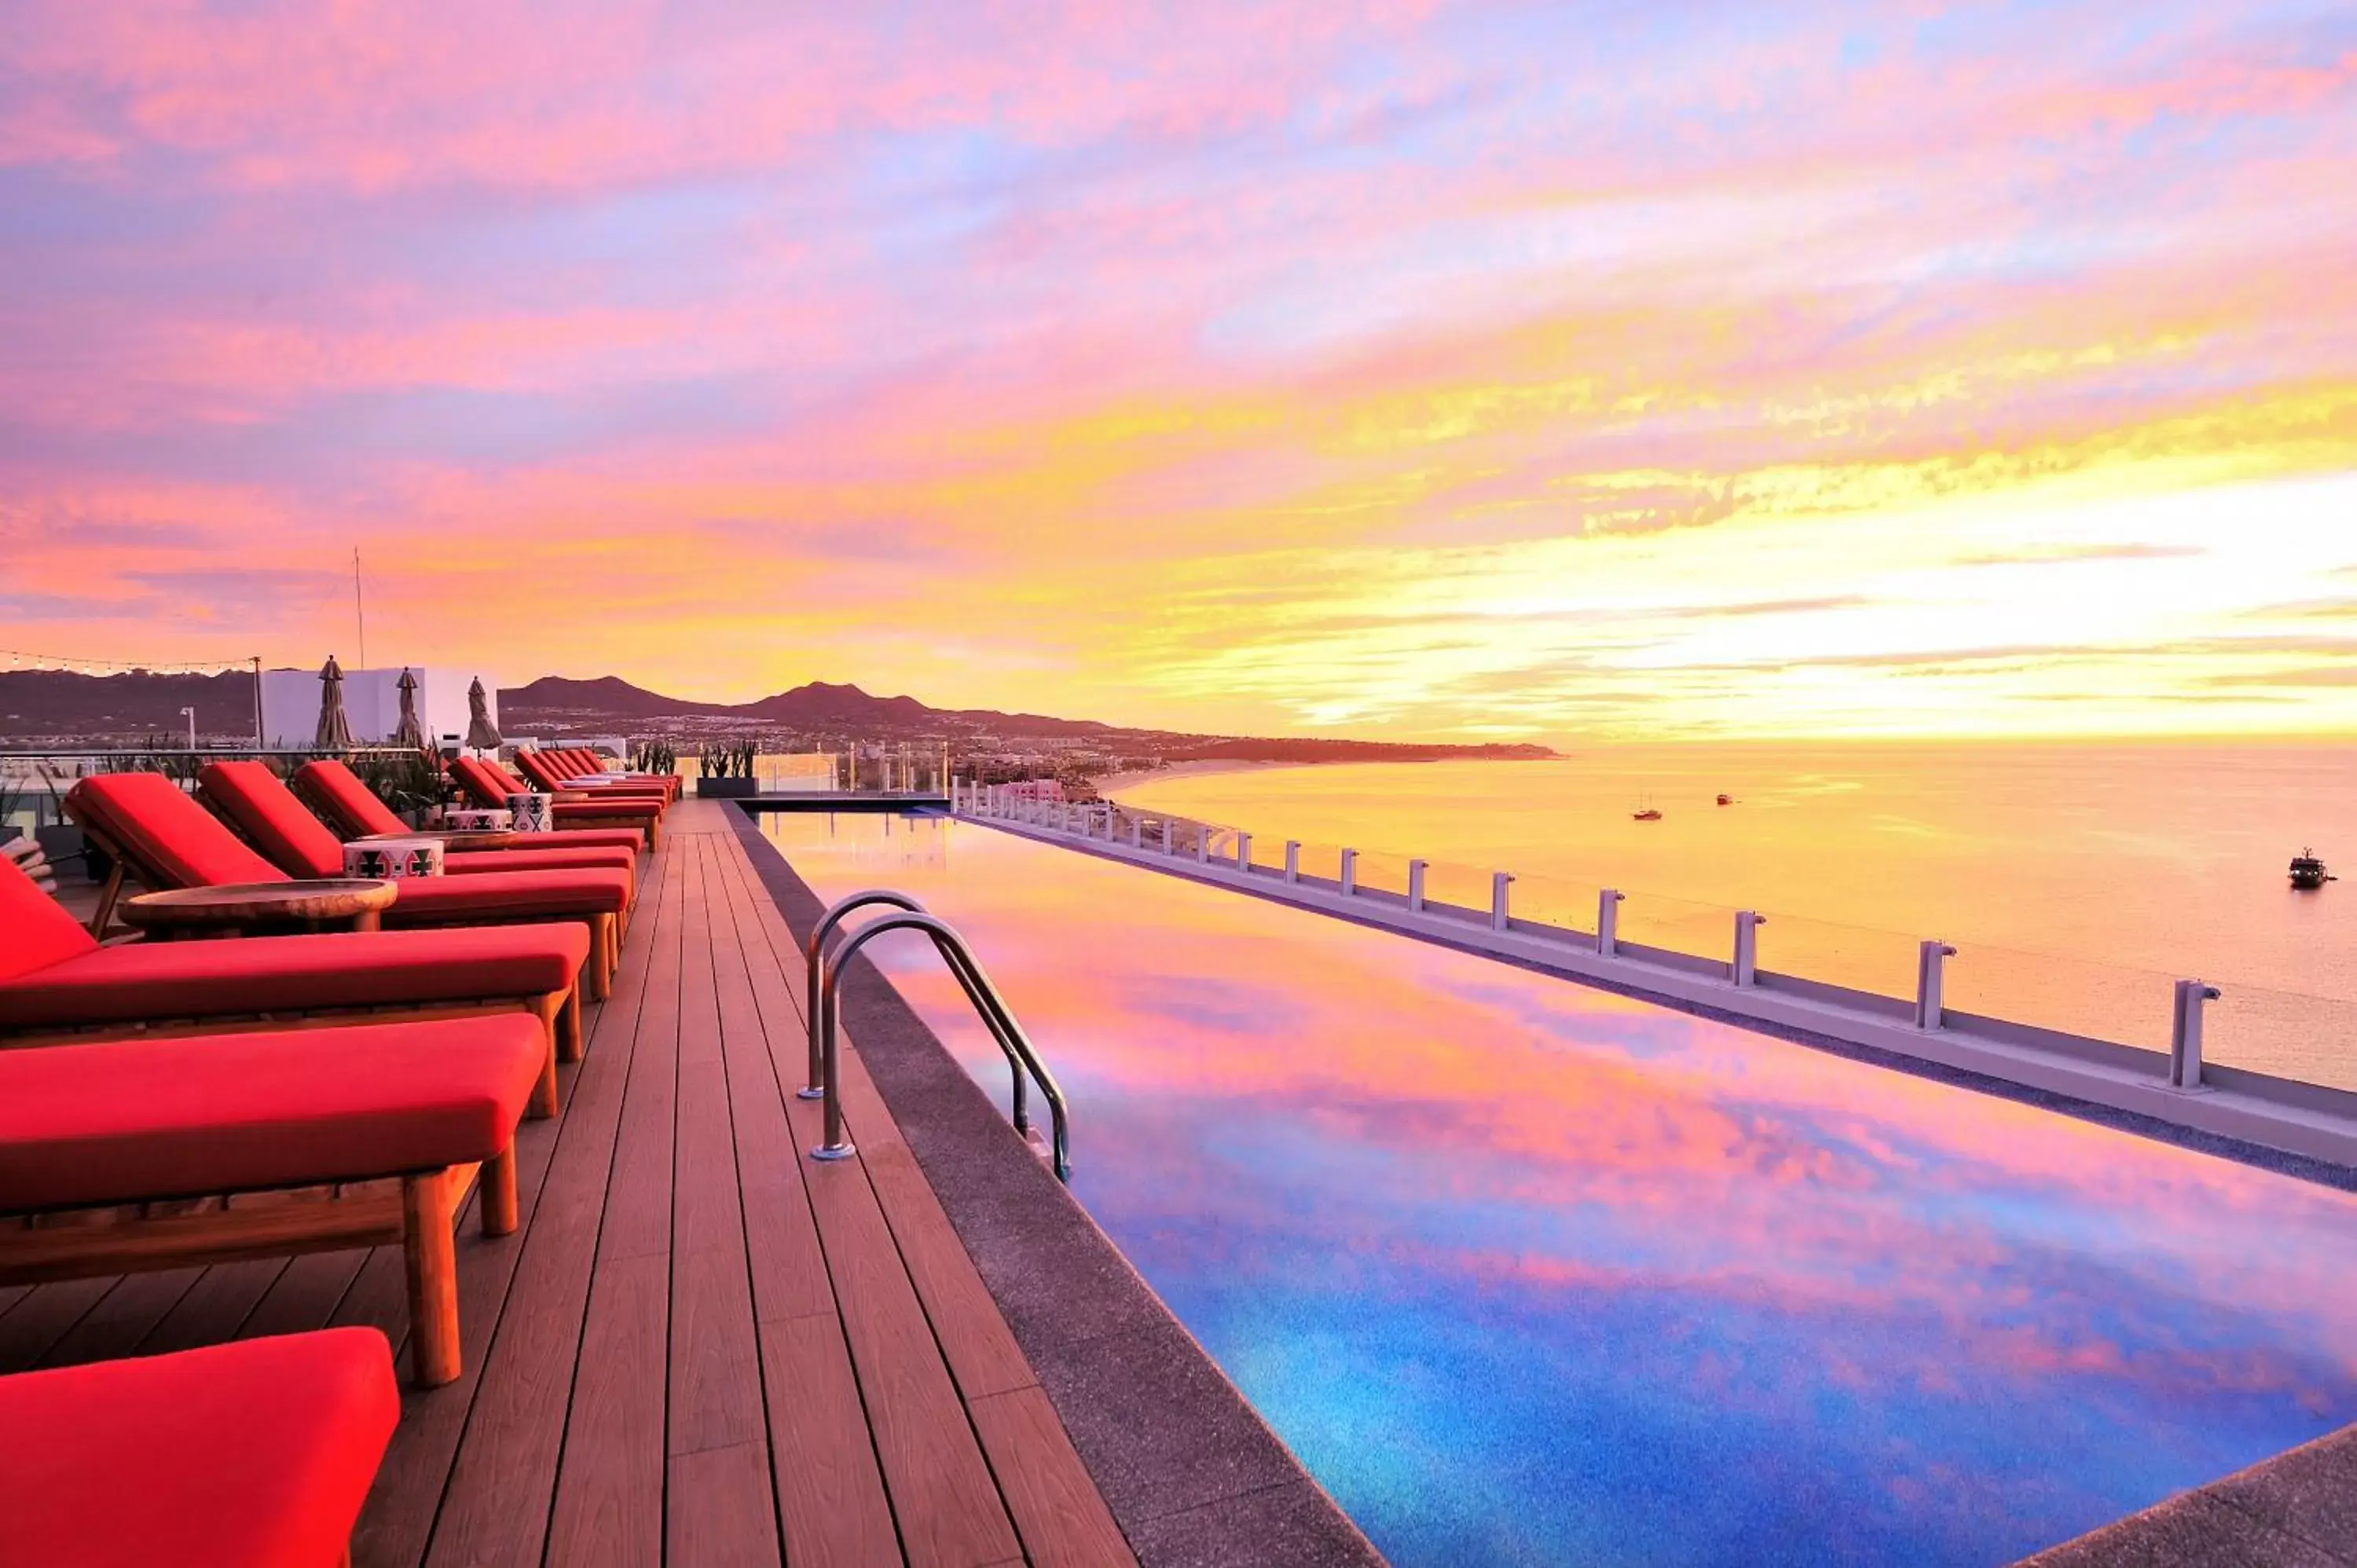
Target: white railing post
2185,1034
1203,843
1243,852
1608,922
1292,860
1415,886
1746,968
1350,872
1137,833
1499,882
1930,977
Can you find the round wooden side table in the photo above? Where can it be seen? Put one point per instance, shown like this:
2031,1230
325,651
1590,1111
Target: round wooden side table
330,904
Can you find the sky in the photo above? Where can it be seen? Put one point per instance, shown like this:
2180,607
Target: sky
1405,369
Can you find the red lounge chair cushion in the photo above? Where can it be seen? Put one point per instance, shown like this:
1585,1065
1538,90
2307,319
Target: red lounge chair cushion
131,1120
537,769
507,896
358,813
624,808
39,932
266,812
549,779
566,856
270,975
576,839
489,784
254,1455
351,805
163,830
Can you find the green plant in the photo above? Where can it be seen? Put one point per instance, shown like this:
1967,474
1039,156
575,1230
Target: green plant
653,757
404,781
728,759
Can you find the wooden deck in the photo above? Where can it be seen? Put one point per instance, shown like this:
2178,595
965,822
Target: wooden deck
700,1346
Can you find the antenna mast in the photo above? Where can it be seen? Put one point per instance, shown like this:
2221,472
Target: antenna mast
359,616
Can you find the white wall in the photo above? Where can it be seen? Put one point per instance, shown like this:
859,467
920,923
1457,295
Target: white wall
290,703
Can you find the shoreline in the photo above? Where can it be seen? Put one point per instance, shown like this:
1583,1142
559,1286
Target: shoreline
1196,769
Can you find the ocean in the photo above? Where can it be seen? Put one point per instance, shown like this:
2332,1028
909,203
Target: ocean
2077,881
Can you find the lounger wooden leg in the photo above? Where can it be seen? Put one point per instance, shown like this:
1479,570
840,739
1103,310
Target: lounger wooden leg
106,898
568,1026
433,1267
654,836
597,972
495,1190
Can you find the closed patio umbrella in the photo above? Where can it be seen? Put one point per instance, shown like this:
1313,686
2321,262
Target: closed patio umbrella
481,733
411,733
335,731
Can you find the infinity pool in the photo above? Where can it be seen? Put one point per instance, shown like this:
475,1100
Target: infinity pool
1527,1272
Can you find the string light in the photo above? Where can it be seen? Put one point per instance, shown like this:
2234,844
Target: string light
71,665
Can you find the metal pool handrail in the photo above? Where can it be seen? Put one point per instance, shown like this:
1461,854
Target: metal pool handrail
1022,1060
813,955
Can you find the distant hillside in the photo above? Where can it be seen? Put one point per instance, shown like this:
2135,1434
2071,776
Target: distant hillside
61,708
60,703
554,705
818,705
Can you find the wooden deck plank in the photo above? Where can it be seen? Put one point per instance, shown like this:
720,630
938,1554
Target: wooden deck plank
397,1526
831,1497
1057,1508
788,1266
1058,1511
948,1508
981,1349
638,1200
216,1307
121,1318
503,1476
720,1514
46,1315
304,1295
610,1487
716,1383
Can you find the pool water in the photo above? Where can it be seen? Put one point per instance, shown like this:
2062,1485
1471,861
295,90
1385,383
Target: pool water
1526,1272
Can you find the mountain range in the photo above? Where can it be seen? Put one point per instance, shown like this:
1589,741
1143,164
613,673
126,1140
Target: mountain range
65,707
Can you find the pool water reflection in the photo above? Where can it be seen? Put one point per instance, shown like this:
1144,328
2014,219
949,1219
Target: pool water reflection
1527,1272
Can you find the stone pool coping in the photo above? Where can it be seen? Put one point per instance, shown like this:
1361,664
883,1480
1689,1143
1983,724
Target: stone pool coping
1192,1474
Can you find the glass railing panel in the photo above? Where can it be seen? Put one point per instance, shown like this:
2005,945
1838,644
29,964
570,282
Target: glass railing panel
1321,862
2075,996
1382,873
2282,1033
1858,957
1455,883
1679,925
1563,902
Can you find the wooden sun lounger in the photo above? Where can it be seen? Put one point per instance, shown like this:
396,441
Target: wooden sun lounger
131,1155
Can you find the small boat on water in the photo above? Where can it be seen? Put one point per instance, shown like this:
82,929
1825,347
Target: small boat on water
2307,872
1648,815
1726,800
